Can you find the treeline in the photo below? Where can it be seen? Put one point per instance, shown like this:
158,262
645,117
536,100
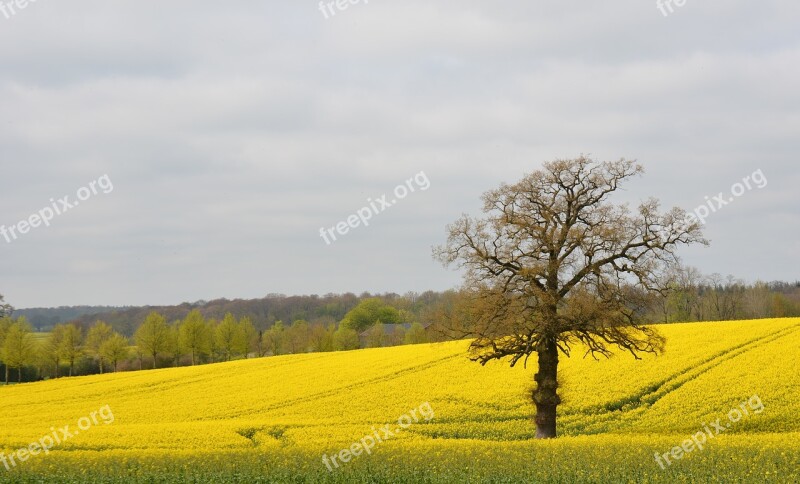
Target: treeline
44,319
74,349
693,296
222,330
265,312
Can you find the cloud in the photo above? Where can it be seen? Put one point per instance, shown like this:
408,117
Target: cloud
233,132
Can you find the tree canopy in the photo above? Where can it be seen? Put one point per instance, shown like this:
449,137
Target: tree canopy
368,312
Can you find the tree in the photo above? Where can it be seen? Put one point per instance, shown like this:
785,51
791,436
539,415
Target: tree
261,348
71,348
51,350
320,337
5,309
248,340
152,337
274,338
345,339
211,325
115,349
18,347
195,336
555,263
5,325
97,335
228,337
174,346
416,334
297,337
685,293
368,312
376,335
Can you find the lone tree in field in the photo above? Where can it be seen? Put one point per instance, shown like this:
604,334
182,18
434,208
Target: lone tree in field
554,263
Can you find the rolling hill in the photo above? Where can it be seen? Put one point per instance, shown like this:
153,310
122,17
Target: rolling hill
450,420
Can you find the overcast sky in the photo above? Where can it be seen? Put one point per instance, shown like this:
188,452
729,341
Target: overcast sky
232,132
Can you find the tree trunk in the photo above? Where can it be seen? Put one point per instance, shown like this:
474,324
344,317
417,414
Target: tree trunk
192,357
544,395
6,374
19,374
154,360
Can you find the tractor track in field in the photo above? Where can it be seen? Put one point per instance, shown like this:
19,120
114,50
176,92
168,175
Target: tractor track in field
355,385
655,392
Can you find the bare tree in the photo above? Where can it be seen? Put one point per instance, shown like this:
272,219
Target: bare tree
554,264
687,288
724,297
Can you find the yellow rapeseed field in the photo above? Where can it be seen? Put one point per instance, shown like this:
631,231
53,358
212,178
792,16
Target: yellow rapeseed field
273,419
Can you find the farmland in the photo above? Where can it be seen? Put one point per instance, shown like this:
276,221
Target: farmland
272,419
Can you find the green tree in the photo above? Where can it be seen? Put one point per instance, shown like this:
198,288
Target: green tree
248,340
115,349
227,337
174,346
211,325
274,338
97,335
320,337
297,337
555,263
376,335
5,325
51,350
18,347
71,348
152,337
368,312
415,335
345,339
195,335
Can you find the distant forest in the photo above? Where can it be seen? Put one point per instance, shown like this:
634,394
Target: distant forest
264,312
692,297
43,319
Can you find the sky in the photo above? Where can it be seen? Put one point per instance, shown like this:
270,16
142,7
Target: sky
209,142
